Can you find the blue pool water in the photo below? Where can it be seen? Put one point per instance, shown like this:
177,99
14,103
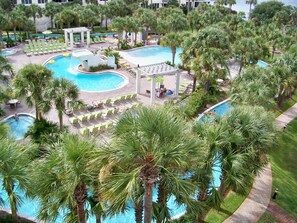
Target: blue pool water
152,55
261,63
19,127
8,52
219,110
66,67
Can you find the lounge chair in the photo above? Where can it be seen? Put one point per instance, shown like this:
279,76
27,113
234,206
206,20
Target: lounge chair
98,114
84,131
94,130
109,112
73,120
101,128
83,118
107,101
133,96
92,116
128,97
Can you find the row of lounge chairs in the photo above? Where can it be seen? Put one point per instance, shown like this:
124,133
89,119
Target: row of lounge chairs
105,126
41,47
97,40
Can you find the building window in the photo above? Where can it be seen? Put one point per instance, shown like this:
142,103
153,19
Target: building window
27,2
42,1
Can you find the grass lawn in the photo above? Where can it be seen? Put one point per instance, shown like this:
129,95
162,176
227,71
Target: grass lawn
288,104
231,203
284,169
267,218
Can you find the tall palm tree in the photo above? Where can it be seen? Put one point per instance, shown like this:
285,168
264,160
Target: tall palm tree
251,2
35,11
12,172
207,52
3,22
31,81
67,16
51,9
16,18
145,152
59,91
63,188
172,40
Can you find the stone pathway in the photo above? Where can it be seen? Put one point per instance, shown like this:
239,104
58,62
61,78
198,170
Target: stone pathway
280,214
258,200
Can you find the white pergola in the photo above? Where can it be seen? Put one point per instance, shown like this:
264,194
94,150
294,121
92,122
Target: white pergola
80,30
153,71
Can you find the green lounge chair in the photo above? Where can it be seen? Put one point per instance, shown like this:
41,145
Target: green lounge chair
101,128
128,97
73,120
107,101
84,131
122,98
133,96
116,110
109,125
92,117
83,118
109,112
98,114
115,100
93,130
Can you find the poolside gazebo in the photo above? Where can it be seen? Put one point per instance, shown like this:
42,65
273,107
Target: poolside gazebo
153,71
80,30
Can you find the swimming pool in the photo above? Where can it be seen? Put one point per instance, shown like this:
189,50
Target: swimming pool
219,109
261,63
151,55
18,127
8,52
66,67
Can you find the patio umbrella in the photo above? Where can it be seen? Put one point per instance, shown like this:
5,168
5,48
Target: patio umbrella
46,32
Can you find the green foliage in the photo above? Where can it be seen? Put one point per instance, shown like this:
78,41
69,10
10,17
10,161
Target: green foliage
196,102
43,132
100,67
265,11
283,162
124,45
10,42
140,44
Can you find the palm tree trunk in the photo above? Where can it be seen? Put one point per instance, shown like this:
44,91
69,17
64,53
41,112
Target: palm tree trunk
148,203
106,23
34,19
80,195
161,201
207,85
13,208
273,50
98,218
135,38
188,8
60,114
240,67
173,49
139,211
1,38
194,83
52,23
250,10
36,112
68,23
14,33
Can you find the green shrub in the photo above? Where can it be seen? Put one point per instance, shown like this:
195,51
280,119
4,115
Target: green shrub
124,45
100,67
140,44
196,102
10,42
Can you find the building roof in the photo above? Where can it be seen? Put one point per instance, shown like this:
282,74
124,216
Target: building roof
76,30
159,69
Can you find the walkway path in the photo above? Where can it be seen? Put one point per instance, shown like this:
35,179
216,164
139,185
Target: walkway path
259,198
280,214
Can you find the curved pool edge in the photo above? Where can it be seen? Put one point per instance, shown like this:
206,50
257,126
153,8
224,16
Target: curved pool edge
211,108
12,49
126,80
10,116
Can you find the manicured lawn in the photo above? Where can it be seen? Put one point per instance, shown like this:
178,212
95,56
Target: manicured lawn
284,169
231,203
267,218
287,105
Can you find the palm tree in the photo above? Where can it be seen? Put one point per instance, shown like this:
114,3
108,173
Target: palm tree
16,17
119,25
35,11
31,81
145,152
172,40
63,188
206,52
251,2
4,67
3,22
59,91
12,172
51,9
67,16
